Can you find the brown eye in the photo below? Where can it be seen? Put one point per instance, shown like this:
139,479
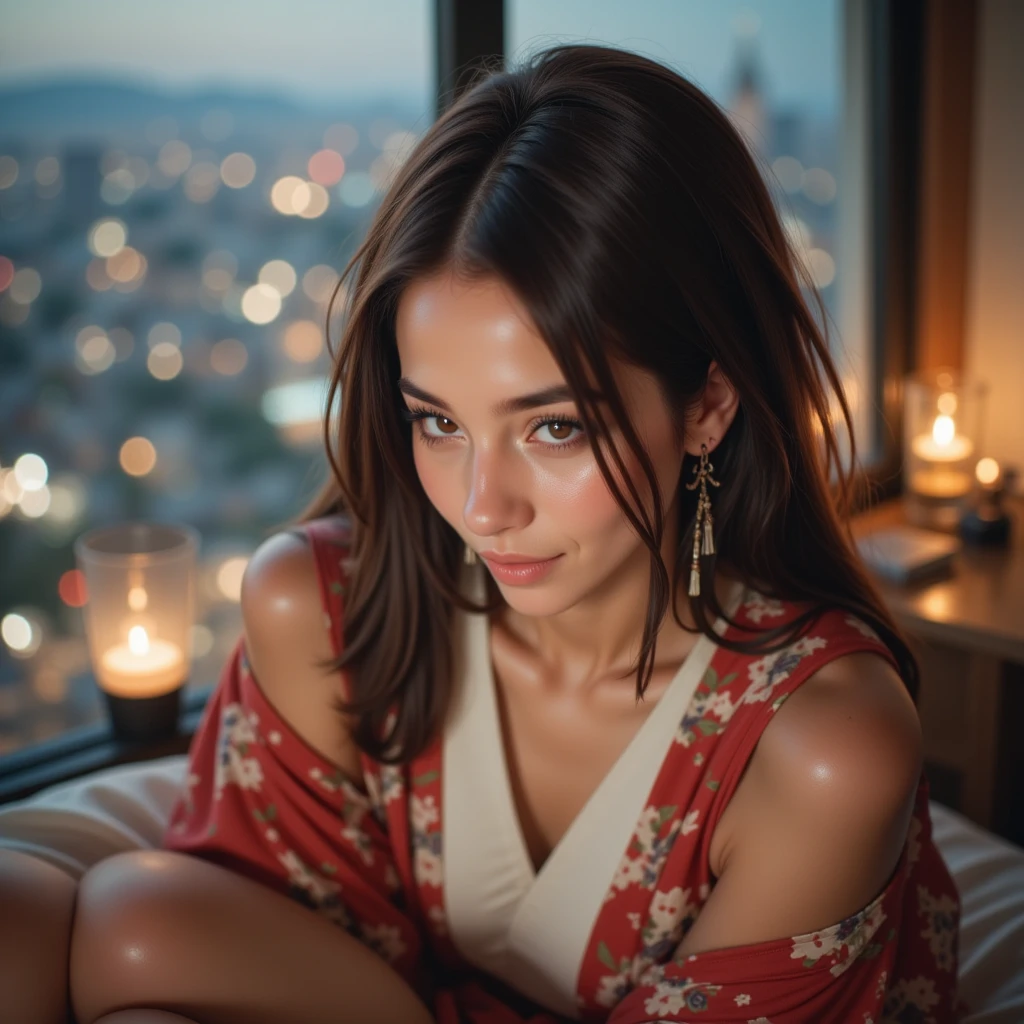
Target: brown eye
438,419
556,425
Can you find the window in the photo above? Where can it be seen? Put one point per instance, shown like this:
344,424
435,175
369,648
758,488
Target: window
178,194
777,68
179,190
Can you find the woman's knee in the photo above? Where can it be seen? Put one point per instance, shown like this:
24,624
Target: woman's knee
162,929
128,922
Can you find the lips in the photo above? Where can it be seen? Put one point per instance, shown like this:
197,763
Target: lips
518,574
513,559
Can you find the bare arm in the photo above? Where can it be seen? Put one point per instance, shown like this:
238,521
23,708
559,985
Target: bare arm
828,797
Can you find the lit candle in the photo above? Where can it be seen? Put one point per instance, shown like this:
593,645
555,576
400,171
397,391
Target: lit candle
940,483
944,444
142,667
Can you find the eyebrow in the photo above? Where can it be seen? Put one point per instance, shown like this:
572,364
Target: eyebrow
506,407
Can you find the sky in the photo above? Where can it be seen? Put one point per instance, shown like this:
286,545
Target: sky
318,49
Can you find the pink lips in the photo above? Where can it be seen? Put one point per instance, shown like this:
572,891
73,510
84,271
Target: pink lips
494,556
520,572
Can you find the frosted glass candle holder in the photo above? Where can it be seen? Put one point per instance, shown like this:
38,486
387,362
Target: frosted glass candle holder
942,419
140,599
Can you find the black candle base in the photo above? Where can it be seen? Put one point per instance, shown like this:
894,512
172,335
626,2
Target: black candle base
145,718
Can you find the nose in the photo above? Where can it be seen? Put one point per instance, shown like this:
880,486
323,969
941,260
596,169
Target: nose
496,497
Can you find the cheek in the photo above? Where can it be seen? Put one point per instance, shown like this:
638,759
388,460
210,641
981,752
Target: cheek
584,506
436,484
595,505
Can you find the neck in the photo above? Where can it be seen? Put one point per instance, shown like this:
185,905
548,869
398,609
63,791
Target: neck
597,640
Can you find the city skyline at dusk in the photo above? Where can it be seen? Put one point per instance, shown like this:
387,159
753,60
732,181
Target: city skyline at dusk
315,51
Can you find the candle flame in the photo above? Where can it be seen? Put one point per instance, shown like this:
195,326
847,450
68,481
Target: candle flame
138,640
943,430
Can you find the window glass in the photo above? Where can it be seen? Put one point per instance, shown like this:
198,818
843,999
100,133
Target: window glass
180,187
776,67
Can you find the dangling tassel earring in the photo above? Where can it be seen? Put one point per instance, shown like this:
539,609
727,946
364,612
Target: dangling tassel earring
707,546
469,556
702,527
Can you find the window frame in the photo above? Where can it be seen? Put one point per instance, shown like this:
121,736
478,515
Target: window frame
892,52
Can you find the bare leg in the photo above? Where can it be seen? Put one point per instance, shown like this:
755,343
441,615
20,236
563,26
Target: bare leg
37,902
156,928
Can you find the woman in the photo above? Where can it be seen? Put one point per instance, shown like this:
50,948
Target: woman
673,765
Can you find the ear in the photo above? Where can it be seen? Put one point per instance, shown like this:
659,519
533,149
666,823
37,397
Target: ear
712,414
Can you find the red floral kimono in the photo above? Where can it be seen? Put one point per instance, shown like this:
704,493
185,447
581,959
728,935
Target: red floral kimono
427,865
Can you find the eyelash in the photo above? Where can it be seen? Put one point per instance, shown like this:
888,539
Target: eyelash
418,413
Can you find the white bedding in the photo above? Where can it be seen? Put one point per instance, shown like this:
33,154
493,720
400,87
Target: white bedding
75,824
989,873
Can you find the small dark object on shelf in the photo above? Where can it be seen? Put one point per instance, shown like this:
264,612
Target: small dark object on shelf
988,523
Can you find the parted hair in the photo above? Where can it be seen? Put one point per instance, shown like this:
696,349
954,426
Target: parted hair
624,210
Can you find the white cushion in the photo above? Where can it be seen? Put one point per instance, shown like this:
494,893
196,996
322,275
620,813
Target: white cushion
75,824
989,873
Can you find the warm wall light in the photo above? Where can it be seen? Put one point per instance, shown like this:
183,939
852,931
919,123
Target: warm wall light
942,421
987,471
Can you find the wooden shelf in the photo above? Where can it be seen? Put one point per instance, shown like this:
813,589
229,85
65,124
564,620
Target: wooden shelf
979,606
967,631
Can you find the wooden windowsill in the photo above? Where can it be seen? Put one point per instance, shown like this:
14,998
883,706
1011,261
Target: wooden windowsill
91,748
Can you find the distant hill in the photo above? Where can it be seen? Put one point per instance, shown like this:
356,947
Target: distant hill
88,107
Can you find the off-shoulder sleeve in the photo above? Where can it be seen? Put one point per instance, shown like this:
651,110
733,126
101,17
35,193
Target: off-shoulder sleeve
803,980
260,801
894,959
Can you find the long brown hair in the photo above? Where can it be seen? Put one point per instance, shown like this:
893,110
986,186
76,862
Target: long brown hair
621,206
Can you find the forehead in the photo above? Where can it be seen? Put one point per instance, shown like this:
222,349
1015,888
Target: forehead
479,329
464,340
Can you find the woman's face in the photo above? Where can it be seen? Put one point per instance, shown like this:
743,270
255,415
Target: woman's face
505,480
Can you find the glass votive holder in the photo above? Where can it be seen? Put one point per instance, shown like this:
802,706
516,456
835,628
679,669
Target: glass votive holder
140,598
942,419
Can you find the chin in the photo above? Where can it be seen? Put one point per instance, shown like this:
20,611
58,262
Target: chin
539,601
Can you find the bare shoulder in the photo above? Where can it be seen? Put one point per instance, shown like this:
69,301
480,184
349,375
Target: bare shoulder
284,561
843,752
820,817
850,730
287,643
280,595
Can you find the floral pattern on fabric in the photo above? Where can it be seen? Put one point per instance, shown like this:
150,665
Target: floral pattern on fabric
709,711
841,943
940,914
369,855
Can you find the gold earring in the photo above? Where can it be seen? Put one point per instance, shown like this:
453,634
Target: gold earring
703,523
469,556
